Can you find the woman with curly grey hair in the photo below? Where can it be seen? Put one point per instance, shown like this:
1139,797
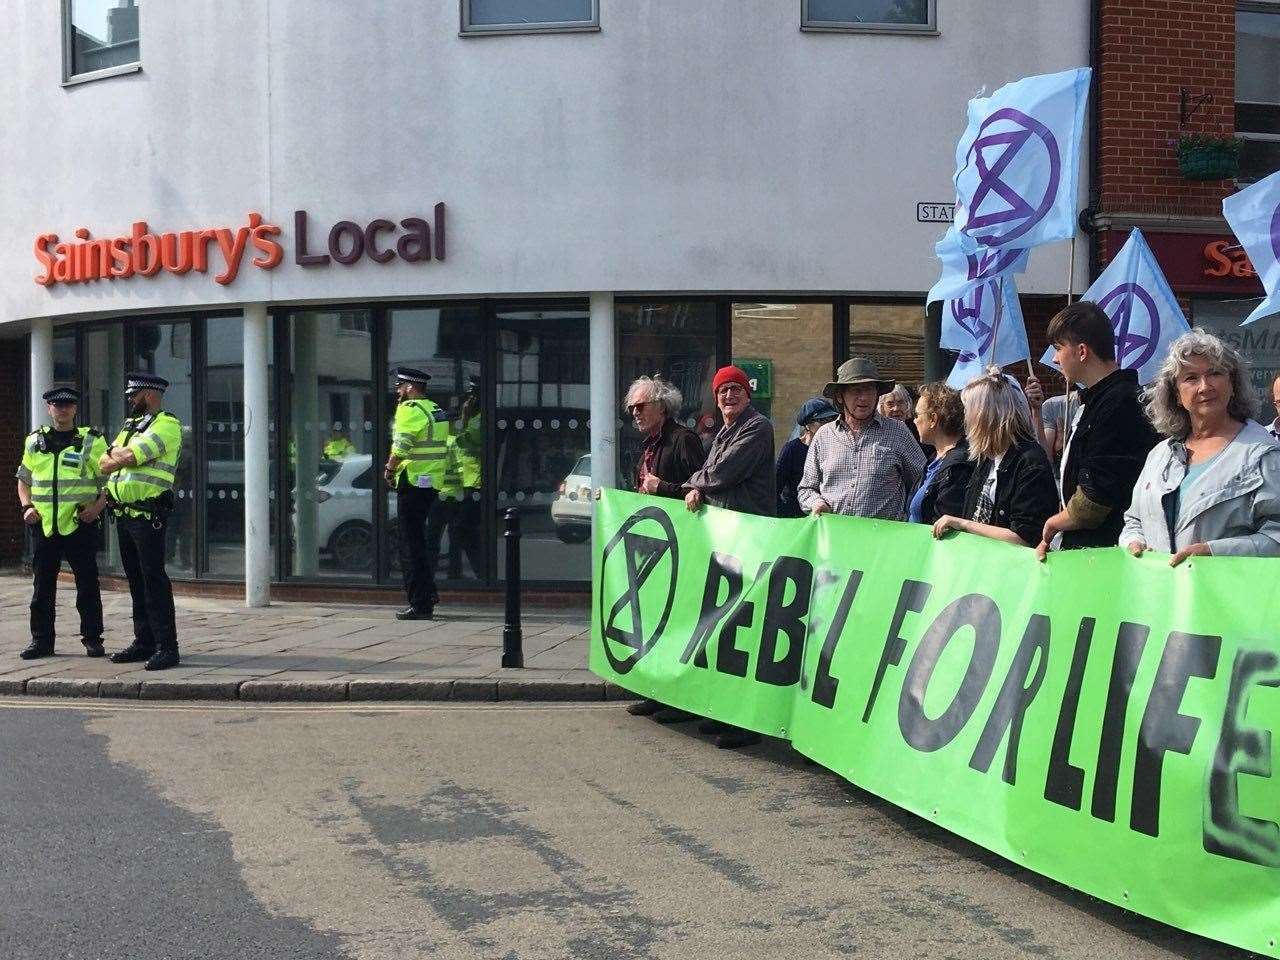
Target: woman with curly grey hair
1212,488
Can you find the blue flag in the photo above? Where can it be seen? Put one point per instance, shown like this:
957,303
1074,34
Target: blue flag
1017,165
1144,313
962,272
969,326
1254,215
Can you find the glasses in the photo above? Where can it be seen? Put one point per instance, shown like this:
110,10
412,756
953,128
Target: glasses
635,408
730,388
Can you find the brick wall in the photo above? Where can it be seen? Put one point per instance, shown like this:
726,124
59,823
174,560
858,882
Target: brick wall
13,363
1151,49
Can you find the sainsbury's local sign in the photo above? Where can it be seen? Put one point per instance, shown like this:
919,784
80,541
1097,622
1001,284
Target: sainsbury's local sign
223,251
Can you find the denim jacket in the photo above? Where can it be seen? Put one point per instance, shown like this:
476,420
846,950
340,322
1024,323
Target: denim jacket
1234,506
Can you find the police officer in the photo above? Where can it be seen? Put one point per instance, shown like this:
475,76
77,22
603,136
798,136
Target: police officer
415,470
142,464
60,494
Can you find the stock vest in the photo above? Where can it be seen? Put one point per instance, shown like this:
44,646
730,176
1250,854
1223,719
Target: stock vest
63,482
470,452
156,442
420,438
451,487
338,448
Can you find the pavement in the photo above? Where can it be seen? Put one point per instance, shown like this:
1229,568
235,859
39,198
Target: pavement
306,651
143,830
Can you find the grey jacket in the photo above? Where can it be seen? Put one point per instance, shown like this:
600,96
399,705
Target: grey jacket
1234,506
738,473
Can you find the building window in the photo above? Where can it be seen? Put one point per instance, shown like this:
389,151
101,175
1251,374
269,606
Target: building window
100,39
1258,89
875,16
529,16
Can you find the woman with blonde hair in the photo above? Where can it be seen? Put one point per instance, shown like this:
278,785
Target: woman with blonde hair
1011,492
1212,487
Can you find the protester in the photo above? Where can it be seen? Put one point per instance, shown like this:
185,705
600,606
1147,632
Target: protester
1212,488
671,453
940,423
60,495
1011,493
864,464
1053,412
738,475
1109,440
896,404
738,472
813,413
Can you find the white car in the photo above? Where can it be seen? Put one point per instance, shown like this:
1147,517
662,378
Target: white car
344,511
572,508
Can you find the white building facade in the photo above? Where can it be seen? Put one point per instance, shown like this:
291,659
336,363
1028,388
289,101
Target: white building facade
274,202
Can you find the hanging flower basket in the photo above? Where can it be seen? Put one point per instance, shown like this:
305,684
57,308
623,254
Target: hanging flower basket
1205,157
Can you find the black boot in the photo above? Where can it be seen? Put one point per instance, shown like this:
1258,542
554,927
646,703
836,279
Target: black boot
735,738
413,613
37,649
132,654
94,648
644,708
163,660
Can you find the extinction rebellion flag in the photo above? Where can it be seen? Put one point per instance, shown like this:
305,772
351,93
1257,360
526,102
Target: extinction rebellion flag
1101,719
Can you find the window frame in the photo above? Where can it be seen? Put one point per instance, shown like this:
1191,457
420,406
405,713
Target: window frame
930,29
1271,8
70,79
467,29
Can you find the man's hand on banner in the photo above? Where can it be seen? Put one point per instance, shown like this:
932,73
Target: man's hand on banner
1137,548
693,500
820,507
1060,522
650,483
1195,550
947,523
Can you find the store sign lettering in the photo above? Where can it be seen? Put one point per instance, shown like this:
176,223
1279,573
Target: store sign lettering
1226,259
223,251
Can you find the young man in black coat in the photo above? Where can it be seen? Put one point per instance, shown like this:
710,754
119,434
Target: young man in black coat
1109,441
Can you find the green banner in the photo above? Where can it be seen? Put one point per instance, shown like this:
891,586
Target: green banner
1102,720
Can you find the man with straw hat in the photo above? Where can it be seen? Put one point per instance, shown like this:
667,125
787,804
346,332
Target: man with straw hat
864,464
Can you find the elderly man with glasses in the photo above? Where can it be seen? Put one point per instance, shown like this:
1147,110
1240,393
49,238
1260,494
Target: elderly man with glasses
671,451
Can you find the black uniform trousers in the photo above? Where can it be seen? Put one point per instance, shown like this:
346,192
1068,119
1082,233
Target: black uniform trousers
413,509
80,550
142,550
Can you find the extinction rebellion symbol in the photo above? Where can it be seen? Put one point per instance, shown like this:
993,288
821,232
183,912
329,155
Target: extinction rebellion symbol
968,316
995,202
1136,338
637,552
1275,233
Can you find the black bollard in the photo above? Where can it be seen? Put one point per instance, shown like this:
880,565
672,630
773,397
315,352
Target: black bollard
512,641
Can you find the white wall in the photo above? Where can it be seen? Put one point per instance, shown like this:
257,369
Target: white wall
687,146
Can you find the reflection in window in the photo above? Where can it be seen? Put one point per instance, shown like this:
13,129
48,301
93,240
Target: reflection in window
102,406
1259,342
676,341
164,348
330,444
102,34
64,362
869,14
480,16
891,335
1258,91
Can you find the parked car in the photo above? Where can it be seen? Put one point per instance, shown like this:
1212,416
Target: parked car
344,508
573,506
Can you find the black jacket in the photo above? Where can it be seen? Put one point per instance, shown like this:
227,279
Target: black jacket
1108,449
679,454
947,490
1026,495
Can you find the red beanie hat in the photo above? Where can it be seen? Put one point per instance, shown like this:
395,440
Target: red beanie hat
730,375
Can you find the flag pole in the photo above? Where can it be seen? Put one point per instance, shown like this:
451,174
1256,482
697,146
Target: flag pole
995,323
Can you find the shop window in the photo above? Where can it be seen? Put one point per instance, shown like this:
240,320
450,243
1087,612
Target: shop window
528,16
100,39
875,16
785,349
1258,89
676,341
1259,342
541,435
64,359
892,336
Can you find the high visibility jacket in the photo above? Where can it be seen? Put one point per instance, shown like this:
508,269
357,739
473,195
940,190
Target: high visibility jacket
338,448
61,483
420,438
471,453
156,442
451,487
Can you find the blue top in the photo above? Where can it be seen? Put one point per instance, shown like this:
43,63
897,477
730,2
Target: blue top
1173,504
790,471
914,513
